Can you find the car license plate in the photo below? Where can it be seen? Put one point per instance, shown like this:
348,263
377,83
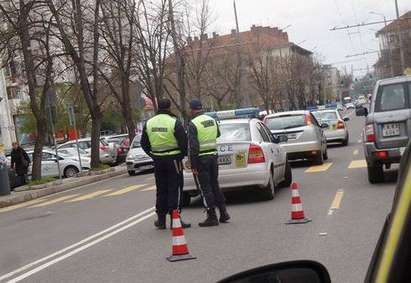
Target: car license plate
224,160
240,160
391,130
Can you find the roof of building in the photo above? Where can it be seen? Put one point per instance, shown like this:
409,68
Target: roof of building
405,24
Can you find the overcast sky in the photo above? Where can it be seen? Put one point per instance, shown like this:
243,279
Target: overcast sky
310,22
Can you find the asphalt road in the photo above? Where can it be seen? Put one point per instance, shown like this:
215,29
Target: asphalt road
104,232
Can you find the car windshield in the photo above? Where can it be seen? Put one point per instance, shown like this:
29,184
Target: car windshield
326,116
285,122
136,142
391,97
235,132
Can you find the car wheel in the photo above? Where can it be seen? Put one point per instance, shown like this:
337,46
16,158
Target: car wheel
70,172
319,159
288,175
375,173
132,173
325,155
186,200
270,189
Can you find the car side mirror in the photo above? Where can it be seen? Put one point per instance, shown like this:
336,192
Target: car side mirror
346,119
287,272
324,126
362,111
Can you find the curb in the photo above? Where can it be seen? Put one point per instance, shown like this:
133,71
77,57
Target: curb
30,193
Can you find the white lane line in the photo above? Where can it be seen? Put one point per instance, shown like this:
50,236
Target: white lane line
82,248
30,265
356,152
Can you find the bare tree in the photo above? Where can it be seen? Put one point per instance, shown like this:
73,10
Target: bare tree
27,31
118,31
152,46
78,23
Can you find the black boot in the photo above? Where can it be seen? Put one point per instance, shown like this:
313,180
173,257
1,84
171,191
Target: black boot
211,219
224,216
160,223
183,224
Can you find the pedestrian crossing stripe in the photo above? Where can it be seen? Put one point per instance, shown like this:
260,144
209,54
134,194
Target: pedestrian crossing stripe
124,190
319,168
89,196
56,200
355,164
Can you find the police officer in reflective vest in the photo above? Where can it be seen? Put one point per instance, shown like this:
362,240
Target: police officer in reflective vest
203,132
165,140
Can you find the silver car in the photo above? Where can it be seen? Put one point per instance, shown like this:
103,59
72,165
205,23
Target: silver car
387,126
248,156
136,159
305,135
337,130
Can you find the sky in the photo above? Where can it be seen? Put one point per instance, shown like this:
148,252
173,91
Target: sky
310,22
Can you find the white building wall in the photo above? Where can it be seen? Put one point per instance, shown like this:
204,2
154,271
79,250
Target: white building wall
7,130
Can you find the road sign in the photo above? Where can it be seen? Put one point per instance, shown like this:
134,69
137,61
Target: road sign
70,110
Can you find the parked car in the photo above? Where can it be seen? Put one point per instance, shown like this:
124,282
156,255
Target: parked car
350,105
387,125
248,156
306,138
337,130
108,154
137,160
69,167
122,144
71,152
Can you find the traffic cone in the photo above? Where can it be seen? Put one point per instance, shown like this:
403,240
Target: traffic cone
180,249
297,211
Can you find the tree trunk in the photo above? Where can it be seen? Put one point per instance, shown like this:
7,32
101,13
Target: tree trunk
38,148
95,139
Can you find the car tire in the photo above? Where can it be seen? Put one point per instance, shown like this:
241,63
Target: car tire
375,173
319,159
132,173
270,189
186,199
70,171
288,176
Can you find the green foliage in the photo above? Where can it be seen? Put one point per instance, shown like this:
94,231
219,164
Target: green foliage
112,121
101,167
42,181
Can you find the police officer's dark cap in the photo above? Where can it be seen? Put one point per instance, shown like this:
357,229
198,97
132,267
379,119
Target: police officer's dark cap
164,104
195,104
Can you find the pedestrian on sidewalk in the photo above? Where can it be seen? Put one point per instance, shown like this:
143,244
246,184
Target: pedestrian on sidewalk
165,140
203,132
20,163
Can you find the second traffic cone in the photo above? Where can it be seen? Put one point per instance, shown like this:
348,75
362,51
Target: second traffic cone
297,211
180,248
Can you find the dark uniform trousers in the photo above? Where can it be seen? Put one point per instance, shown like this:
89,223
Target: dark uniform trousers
167,172
208,182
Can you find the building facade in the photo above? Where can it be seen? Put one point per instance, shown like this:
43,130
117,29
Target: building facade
389,62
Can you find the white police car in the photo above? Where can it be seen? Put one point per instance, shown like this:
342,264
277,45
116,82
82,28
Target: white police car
248,156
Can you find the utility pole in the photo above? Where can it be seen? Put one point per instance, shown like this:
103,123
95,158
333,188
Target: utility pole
237,90
402,62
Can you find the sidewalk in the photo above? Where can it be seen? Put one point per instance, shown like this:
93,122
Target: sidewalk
26,193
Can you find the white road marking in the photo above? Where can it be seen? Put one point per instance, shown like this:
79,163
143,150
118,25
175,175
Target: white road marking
140,217
152,188
356,152
360,141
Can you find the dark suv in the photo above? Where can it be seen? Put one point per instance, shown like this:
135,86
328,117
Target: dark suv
388,125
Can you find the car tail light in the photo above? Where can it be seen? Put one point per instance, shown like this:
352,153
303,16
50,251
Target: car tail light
308,120
103,147
340,125
369,133
255,154
381,154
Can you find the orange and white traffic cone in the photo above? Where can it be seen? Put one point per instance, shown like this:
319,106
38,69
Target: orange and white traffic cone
297,211
180,249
